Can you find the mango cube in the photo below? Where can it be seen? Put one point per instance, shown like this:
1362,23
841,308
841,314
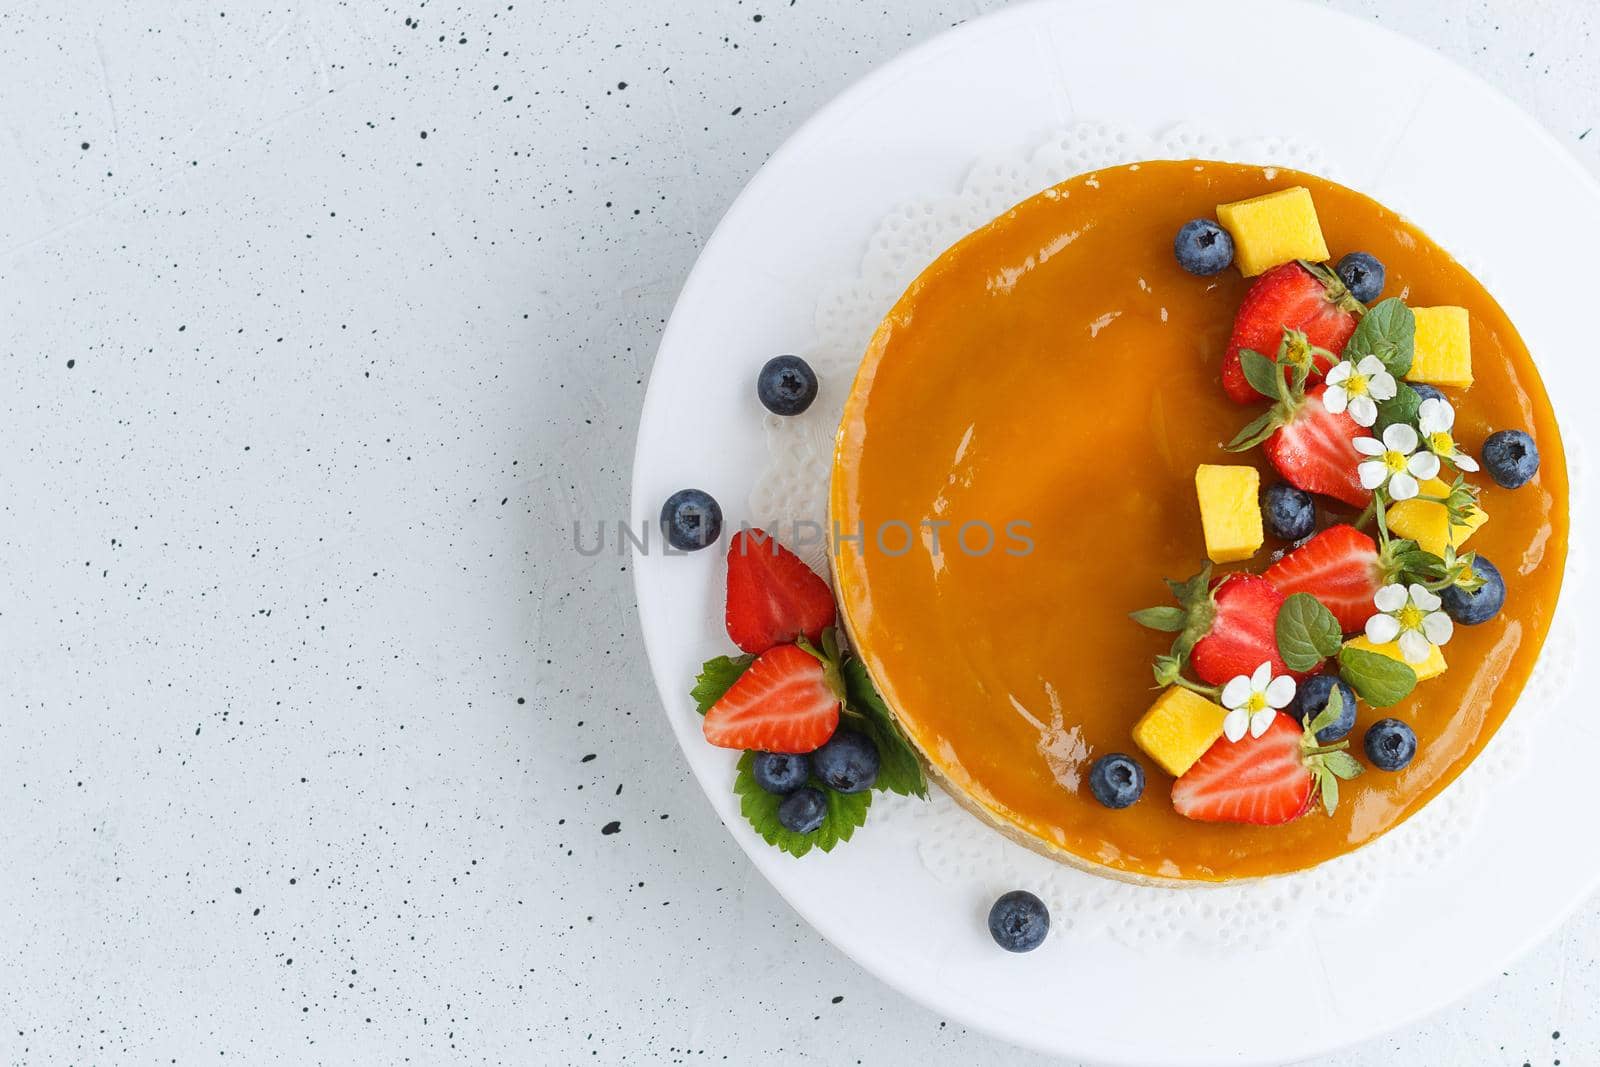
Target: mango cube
1431,667
1178,729
1230,510
1427,523
1444,347
1273,229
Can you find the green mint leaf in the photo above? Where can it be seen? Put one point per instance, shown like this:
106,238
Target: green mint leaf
1167,619
1389,331
1260,372
760,809
717,676
1378,680
1255,432
1307,632
1402,407
899,769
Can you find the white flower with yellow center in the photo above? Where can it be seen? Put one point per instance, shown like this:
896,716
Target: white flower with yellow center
1253,699
1392,464
1412,616
1358,387
1434,418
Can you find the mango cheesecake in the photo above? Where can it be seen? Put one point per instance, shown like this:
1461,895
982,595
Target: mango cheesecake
1197,521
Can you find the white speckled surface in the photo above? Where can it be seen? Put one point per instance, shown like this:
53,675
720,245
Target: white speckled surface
311,721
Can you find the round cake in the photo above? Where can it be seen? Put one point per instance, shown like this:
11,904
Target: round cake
1038,438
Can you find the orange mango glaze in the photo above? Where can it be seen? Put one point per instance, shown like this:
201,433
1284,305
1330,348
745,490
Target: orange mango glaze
1058,368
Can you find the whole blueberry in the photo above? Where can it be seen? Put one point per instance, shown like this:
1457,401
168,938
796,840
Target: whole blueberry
780,772
691,519
1312,697
1290,513
1470,609
1510,457
1390,744
1116,780
803,810
848,763
1019,921
786,385
1362,274
1203,247
1425,392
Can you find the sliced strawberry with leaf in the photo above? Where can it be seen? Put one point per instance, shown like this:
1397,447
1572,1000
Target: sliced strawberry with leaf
1224,630
786,701
1341,567
773,597
1312,447
1271,779
1306,297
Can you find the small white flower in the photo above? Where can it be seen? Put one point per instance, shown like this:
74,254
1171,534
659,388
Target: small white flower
1393,464
1411,615
1253,699
1357,387
1434,418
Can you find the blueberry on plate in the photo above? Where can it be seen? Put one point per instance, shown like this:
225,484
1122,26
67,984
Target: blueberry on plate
1425,392
1018,921
1312,697
691,519
1116,780
848,763
803,810
1290,513
1390,744
786,385
1203,247
780,772
1362,274
1510,457
1470,609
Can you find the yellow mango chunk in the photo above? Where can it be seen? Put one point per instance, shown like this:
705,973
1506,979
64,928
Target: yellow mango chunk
1273,229
1230,510
1444,347
1178,729
1431,667
1425,522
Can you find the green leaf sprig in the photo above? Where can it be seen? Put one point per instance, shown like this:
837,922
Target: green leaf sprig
899,768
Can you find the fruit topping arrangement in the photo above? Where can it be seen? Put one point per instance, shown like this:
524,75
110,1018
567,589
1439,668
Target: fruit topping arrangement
1263,682
816,738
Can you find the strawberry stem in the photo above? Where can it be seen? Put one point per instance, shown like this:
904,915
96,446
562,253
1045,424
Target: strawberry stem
1210,692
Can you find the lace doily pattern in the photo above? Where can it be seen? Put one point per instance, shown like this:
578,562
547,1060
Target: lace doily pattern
956,847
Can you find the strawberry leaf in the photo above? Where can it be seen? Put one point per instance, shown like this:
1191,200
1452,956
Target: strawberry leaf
1389,331
1167,619
1260,372
1378,680
760,809
899,769
1255,432
1343,764
717,676
1307,632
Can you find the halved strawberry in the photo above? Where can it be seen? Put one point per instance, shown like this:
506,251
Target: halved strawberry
773,597
786,701
1224,630
1314,450
1266,780
1243,632
1297,296
1340,567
